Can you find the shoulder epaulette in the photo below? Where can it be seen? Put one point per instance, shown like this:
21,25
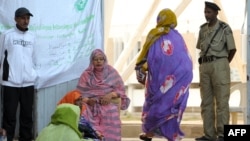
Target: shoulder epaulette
226,28
223,24
203,25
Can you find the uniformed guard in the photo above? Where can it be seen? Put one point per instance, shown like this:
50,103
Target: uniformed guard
217,49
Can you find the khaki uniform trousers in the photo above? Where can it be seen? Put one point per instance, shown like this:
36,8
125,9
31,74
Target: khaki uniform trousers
215,93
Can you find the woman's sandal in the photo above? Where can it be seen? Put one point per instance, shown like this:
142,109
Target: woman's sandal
144,137
99,136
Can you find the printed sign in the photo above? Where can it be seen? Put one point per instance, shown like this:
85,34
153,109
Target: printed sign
66,33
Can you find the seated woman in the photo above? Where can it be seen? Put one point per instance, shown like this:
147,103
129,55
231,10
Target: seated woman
103,88
74,97
63,125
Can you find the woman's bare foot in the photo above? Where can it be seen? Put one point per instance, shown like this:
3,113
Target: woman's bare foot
100,136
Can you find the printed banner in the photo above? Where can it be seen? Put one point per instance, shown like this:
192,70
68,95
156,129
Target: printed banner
66,33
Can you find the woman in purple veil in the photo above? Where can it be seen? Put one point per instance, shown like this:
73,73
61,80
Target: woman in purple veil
165,67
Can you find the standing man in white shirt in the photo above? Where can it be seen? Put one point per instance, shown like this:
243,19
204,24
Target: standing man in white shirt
18,76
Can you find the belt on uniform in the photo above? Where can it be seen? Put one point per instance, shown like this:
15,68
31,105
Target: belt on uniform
207,59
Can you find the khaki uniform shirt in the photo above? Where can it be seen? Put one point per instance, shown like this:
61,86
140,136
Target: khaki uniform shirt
222,42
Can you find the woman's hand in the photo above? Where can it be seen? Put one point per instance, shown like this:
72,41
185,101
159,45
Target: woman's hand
85,100
2,132
141,76
106,99
91,101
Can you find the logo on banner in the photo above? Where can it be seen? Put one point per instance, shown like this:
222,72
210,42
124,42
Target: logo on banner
80,4
236,132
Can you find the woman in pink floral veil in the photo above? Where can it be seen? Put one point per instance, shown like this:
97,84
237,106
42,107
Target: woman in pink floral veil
103,90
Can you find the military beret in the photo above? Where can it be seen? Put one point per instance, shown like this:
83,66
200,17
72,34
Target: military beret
212,5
